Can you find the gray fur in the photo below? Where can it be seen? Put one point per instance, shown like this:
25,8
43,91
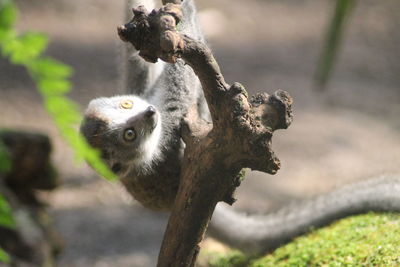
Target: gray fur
259,234
176,89
137,75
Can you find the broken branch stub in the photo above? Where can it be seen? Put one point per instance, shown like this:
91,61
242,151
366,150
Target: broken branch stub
155,34
240,136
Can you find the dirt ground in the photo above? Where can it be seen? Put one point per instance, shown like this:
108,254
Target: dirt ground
350,131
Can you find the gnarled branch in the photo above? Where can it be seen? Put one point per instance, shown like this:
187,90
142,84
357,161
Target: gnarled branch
214,156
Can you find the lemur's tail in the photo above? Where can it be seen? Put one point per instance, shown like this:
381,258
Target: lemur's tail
259,234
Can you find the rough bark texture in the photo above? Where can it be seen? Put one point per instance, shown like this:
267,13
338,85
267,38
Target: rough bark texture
214,156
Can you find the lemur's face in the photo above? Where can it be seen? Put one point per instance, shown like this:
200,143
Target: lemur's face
126,129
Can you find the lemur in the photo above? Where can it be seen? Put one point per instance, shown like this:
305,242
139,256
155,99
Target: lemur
138,135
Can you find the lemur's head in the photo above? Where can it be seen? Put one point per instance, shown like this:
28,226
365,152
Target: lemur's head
127,131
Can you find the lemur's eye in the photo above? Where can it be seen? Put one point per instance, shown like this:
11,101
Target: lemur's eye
129,135
126,104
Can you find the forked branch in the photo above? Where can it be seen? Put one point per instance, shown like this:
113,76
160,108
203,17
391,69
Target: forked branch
214,156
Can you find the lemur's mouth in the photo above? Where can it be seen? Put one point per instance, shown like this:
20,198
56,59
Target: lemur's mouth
116,168
153,127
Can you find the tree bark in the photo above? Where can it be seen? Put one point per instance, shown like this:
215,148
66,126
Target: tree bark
240,136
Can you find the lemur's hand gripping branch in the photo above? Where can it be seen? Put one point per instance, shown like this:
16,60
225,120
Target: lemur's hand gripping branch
214,156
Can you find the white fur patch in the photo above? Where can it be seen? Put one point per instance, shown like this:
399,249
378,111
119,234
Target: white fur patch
109,110
150,148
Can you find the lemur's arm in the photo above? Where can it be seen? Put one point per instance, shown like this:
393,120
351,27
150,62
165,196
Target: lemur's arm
259,234
137,75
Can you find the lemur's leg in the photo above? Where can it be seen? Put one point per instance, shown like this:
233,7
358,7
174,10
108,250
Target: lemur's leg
137,74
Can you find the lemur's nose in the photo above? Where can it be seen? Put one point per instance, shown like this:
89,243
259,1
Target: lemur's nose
150,111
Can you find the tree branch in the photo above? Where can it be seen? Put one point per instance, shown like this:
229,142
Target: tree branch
214,156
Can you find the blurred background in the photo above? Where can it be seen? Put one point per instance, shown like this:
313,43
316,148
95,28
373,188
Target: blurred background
346,132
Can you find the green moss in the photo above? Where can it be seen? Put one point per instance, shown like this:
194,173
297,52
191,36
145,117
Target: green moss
233,258
364,240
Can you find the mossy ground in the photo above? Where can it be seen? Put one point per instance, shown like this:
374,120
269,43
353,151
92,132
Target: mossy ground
363,240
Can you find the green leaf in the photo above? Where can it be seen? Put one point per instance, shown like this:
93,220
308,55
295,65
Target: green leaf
62,110
6,217
50,68
8,14
4,256
25,48
6,35
332,42
92,157
53,86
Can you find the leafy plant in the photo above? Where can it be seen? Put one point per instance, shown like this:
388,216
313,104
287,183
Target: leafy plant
6,218
7,221
4,256
332,41
52,80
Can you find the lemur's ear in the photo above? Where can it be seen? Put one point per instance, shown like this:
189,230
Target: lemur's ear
91,128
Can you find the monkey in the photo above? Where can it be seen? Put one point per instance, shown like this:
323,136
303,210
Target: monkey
138,134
